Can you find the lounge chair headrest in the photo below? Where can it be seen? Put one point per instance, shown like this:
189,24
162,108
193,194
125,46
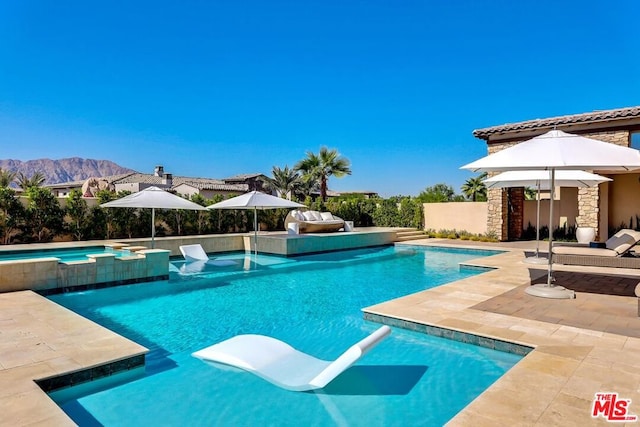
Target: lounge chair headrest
623,240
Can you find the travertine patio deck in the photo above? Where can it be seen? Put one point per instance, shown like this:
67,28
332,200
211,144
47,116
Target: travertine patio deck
40,339
588,345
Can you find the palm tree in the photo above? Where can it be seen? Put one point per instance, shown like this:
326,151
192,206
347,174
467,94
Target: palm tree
475,189
6,178
284,182
320,167
36,180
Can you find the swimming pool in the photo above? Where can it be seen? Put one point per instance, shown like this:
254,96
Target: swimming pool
312,302
65,255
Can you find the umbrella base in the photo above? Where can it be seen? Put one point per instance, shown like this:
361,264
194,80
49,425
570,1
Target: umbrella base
536,260
546,291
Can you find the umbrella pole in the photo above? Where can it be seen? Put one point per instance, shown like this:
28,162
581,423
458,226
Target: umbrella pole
153,227
538,222
552,183
549,290
255,231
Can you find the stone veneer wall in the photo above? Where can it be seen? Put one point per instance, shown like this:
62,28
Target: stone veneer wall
589,198
497,208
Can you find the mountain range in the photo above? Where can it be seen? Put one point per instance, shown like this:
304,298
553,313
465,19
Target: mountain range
64,170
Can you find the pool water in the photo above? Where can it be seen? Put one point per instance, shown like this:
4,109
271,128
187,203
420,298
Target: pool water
312,302
65,255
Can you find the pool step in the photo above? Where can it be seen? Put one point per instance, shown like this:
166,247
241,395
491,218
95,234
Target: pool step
409,234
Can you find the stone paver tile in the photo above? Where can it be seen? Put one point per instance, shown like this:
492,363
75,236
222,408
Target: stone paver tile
511,407
570,351
569,411
545,363
31,407
500,333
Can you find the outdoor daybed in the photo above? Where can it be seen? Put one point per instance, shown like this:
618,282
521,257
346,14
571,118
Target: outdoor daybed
314,221
615,252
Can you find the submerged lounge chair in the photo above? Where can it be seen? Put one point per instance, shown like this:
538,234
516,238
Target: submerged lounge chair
196,254
283,365
613,253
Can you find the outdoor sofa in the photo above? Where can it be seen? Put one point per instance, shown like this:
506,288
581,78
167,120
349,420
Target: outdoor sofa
615,252
314,221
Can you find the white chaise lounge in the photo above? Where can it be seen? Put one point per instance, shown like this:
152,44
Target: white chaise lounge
613,253
283,365
196,254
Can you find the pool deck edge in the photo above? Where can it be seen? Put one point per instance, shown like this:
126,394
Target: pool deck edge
42,340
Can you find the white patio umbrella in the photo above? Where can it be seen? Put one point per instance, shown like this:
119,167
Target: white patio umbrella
153,198
540,180
552,151
255,200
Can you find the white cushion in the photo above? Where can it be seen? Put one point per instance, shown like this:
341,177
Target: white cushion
621,241
316,215
326,216
308,216
299,216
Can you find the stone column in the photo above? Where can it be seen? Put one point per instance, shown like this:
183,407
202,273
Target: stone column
589,198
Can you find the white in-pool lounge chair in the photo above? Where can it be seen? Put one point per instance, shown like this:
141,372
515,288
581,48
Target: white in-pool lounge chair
283,365
196,254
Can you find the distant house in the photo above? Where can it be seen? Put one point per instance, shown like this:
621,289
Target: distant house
608,206
187,186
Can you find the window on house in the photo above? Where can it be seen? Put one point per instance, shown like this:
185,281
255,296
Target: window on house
635,140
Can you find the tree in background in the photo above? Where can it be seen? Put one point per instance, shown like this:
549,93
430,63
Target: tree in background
78,213
475,188
25,182
319,167
284,182
104,217
12,214
439,193
44,216
6,178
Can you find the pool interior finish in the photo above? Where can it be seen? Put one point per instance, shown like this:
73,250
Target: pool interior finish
313,303
65,255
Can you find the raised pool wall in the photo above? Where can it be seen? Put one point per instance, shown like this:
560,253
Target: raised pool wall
49,275
275,243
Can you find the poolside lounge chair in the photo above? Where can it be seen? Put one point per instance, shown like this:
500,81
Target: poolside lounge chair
613,253
196,254
283,365
314,221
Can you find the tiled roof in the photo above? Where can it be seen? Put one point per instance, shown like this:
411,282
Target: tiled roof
151,179
220,186
79,183
596,116
243,176
199,183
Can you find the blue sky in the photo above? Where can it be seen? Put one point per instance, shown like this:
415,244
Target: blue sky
217,88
